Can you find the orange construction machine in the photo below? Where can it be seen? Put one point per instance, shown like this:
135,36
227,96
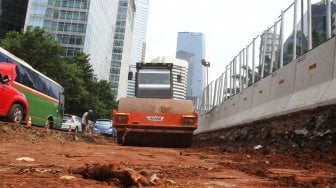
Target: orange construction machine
153,117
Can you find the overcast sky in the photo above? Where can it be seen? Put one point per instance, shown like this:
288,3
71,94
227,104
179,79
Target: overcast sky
228,26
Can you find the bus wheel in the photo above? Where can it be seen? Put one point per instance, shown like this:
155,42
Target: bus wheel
15,114
49,124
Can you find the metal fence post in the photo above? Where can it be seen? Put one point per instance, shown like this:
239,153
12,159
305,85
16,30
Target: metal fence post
309,21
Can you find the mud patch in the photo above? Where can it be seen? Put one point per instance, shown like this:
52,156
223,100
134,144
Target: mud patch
114,174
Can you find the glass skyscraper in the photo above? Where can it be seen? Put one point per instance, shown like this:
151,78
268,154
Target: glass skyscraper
65,20
191,47
122,46
139,40
102,29
99,35
12,16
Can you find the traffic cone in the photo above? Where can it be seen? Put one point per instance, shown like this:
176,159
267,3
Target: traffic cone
29,123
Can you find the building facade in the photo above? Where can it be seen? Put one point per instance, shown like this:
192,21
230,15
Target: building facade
12,16
191,47
267,52
99,35
139,40
65,20
102,29
180,75
122,46
80,26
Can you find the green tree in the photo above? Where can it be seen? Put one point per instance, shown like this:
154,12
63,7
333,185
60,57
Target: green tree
81,89
102,96
88,94
37,48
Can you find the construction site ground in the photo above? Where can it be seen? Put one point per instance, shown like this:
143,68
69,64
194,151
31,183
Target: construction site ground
288,151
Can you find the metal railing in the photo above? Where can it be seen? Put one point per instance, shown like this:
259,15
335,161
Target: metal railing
274,48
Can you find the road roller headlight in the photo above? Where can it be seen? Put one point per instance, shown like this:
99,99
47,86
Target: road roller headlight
188,120
121,119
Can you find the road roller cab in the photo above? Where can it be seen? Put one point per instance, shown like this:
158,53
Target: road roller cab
153,117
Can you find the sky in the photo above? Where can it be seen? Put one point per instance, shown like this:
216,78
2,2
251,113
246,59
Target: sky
228,26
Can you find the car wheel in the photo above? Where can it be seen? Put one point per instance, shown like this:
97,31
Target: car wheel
76,129
15,114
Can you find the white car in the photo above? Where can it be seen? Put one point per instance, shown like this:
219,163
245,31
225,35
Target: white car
71,121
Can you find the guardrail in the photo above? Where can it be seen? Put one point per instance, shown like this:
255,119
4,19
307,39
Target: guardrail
265,54
279,77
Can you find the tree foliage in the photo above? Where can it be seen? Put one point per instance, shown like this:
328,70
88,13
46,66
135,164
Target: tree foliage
81,89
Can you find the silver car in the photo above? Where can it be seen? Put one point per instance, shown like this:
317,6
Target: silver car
71,122
104,126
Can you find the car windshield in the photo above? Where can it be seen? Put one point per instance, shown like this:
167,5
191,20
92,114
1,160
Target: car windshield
66,117
103,122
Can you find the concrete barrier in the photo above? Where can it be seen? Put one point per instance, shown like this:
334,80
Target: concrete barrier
314,72
308,82
280,92
329,96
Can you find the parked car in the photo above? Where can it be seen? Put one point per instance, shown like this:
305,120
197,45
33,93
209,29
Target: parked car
71,121
104,126
13,103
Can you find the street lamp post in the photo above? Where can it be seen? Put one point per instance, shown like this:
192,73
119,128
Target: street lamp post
206,64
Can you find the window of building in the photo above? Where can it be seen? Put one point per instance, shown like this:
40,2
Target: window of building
118,43
115,64
79,40
82,16
116,57
65,39
115,71
117,50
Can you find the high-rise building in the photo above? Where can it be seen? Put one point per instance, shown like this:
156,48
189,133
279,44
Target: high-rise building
122,46
180,75
80,26
266,50
99,28
99,35
139,40
12,16
65,20
191,47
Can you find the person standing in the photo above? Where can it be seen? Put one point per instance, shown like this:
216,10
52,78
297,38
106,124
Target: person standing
85,121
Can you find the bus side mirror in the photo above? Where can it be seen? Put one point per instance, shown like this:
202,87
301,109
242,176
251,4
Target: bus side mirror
130,75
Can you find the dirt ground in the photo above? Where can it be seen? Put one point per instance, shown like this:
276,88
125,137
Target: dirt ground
298,152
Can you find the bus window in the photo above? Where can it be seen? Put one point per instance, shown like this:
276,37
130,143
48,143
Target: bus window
3,58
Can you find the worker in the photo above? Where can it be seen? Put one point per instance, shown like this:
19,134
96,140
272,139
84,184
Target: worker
85,122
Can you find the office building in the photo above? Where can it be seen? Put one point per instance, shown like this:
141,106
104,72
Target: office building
12,16
102,29
122,46
139,40
191,47
65,20
266,50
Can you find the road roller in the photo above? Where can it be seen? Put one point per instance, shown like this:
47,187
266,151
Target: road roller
154,117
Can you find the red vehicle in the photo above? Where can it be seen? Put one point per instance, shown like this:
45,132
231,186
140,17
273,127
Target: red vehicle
13,104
